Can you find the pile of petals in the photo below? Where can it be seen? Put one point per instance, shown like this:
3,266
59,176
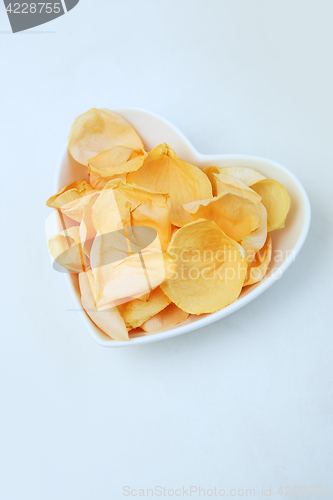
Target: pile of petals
154,239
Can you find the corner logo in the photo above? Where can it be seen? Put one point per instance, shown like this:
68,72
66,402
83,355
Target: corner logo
26,15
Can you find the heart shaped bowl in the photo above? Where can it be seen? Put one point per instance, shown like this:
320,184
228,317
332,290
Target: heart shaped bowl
287,242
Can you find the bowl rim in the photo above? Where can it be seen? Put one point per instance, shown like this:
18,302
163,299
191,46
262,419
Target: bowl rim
231,308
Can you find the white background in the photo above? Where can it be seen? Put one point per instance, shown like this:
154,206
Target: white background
244,403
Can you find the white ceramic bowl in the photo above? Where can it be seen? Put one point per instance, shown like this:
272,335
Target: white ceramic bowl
288,241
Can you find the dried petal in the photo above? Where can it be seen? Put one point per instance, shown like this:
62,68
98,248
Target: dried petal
87,231
121,205
236,215
210,268
114,162
227,184
72,199
136,312
164,172
126,265
254,241
108,320
259,266
170,316
245,174
98,130
66,249
276,200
